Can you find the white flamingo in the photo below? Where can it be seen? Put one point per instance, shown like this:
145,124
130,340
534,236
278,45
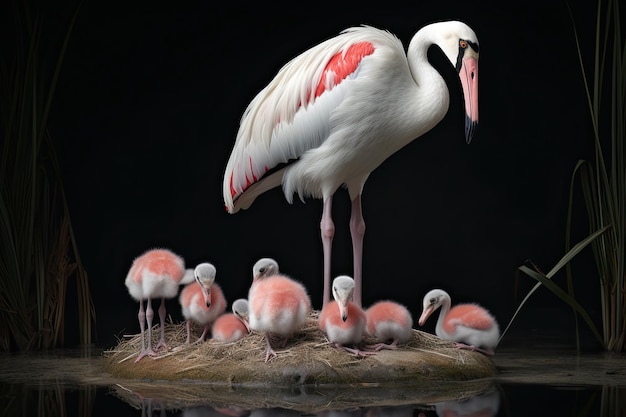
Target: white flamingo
336,112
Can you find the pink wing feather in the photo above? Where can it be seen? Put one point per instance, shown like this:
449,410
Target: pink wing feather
469,315
292,102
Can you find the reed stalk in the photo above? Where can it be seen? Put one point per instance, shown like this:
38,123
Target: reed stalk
603,184
38,254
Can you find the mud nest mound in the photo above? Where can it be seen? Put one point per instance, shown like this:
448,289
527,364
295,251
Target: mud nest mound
308,358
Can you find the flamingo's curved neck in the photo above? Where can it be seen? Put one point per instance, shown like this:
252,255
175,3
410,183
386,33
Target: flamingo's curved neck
445,308
432,87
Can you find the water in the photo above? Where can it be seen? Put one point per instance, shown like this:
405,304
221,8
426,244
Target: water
528,383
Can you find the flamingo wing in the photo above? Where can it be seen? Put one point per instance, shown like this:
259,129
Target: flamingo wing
468,315
292,114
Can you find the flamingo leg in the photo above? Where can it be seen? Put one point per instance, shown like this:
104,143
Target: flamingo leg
379,346
327,229
161,344
357,231
204,332
269,352
188,331
474,348
149,315
355,351
142,324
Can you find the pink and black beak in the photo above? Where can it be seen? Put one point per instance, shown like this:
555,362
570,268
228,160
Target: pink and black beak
425,314
206,294
245,323
467,67
343,310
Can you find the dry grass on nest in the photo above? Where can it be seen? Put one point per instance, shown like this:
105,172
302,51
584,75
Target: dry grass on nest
307,358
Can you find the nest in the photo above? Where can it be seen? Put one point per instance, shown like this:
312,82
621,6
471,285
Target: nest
307,359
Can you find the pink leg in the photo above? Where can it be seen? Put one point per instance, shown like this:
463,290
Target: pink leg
206,330
357,231
378,346
188,331
327,228
149,315
269,352
142,324
161,344
355,351
487,352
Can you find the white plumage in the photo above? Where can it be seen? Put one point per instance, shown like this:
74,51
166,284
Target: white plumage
334,113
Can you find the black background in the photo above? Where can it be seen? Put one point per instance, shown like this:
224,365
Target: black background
147,109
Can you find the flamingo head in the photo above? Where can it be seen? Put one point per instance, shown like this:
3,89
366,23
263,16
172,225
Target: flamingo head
343,292
264,267
240,309
205,277
460,45
432,301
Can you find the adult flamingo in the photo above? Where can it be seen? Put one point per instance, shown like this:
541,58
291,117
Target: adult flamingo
202,301
336,112
278,305
469,325
341,320
157,273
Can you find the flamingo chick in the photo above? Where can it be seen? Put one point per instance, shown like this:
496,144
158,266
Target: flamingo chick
233,326
343,321
389,323
469,325
154,274
264,267
202,301
278,305
336,112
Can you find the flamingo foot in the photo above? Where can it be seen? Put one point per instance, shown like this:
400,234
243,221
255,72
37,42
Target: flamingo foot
487,352
269,352
146,352
161,346
356,351
379,346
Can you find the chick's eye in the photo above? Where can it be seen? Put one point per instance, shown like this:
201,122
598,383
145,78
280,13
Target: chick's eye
463,44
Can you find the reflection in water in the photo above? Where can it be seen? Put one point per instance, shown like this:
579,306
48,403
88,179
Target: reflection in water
509,400
67,386
353,412
486,405
206,411
51,399
398,411
150,407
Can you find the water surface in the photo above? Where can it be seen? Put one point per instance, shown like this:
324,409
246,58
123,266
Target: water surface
533,382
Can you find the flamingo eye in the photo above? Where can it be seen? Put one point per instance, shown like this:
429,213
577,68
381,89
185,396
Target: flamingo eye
463,44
